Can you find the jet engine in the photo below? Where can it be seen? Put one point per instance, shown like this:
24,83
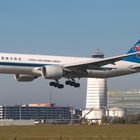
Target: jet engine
52,72
24,78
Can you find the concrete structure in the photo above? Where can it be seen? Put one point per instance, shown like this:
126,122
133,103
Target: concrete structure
96,98
96,93
96,89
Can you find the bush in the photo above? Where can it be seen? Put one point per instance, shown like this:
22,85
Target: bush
104,120
133,119
118,120
129,119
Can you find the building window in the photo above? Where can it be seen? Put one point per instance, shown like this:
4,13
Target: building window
15,58
7,58
2,58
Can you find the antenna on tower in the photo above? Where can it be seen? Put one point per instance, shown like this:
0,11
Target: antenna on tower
50,96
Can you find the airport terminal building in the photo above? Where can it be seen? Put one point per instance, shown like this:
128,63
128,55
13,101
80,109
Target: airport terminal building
45,113
129,100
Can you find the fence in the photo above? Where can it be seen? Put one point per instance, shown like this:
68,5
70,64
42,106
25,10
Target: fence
72,138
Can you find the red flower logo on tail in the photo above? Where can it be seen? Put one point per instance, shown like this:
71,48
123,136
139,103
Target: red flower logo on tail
137,49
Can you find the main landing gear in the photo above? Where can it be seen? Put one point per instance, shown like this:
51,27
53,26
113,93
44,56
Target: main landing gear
68,82
56,84
72,83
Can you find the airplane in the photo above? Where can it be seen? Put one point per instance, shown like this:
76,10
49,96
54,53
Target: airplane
27,68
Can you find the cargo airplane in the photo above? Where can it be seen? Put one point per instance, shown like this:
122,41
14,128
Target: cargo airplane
27,67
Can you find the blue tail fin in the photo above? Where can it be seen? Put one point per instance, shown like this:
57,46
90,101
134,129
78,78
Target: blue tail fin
134,58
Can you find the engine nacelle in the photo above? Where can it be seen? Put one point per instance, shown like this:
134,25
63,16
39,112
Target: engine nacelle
52,72
24,78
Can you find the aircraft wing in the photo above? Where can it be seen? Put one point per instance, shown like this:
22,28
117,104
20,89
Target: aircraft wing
92,64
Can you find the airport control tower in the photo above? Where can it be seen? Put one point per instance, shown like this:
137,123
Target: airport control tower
96,88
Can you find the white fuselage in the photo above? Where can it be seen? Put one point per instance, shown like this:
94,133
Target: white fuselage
28,64
25,63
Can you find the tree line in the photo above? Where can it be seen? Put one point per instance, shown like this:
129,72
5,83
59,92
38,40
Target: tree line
128,119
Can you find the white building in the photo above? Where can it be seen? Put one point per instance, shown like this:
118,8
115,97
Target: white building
116,112
94,115
96,93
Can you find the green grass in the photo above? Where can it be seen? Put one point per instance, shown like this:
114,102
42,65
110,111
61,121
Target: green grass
70,132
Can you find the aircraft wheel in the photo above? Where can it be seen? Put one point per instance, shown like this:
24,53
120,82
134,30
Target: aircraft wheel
67,82
51,84
77,85
61,86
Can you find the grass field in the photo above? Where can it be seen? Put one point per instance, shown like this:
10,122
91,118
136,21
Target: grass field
70,132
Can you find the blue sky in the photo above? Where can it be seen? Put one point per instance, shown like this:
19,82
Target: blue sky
73,28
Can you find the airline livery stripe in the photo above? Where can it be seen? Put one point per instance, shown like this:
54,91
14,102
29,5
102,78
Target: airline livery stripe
22,64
